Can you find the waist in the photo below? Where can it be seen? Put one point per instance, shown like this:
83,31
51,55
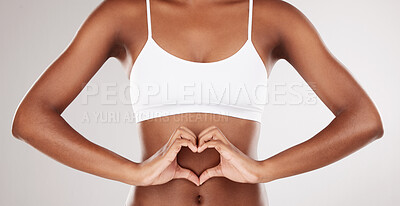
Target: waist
242,133
216,191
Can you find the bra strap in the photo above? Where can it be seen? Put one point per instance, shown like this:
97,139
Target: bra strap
149,34
250,19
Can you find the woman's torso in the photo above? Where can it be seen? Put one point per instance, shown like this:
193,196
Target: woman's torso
196,30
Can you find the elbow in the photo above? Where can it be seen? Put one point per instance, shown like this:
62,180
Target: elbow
14,130
30,120
18,125
369,121
23,124
377,130
375,126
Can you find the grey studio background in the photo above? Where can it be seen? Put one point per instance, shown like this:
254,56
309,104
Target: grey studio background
363,35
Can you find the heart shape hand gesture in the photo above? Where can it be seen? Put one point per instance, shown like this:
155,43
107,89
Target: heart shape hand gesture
234,164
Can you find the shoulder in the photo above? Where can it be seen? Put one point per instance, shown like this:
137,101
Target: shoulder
277,7
117,10
117,14
116,19
287,22
279,12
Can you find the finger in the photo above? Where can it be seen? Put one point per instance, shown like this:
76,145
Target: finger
213,134
173,150
188,130
206,130
176,147
218,145
187,174
181,133
189,136
210,135
209,173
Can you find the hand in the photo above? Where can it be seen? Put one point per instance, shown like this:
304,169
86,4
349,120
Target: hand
234,164
163,166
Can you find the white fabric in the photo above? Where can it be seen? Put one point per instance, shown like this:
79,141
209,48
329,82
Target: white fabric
163,84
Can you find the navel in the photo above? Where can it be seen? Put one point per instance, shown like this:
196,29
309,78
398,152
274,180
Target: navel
199,199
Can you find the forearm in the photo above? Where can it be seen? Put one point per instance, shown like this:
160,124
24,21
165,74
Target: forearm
348,132
48,132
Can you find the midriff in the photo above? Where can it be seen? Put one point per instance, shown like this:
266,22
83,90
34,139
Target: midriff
154,133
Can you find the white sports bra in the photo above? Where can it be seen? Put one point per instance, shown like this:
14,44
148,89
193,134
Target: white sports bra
162,84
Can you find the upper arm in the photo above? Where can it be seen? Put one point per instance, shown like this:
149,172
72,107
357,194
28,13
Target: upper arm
303,48
91,46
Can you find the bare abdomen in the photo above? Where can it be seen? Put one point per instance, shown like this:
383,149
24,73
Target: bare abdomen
216,191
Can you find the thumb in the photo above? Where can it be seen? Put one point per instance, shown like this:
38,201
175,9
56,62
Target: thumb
211,172
186,174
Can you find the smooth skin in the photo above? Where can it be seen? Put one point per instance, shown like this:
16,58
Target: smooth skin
163,166
223,159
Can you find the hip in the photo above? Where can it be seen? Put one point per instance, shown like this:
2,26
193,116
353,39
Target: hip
215,192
